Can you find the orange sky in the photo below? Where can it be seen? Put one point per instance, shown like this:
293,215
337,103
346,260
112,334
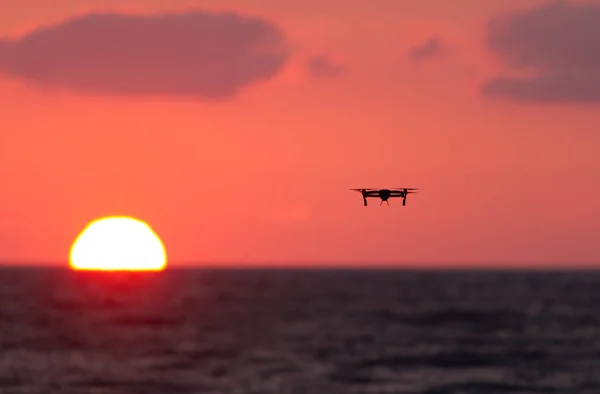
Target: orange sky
245,154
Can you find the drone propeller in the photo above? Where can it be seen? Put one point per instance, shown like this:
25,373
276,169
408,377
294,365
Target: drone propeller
365,189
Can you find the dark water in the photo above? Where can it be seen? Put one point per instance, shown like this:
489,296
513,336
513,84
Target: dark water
299,332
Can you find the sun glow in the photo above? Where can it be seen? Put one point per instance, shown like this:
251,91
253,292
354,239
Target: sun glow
118,243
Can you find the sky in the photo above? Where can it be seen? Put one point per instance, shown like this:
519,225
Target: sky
236,127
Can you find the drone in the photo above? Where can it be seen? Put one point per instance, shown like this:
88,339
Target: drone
385,194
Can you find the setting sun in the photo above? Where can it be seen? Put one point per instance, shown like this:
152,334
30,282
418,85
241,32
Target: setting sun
118,243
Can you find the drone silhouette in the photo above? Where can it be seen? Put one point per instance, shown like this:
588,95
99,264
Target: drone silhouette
385,194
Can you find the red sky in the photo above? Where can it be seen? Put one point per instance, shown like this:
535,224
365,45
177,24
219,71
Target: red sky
237,136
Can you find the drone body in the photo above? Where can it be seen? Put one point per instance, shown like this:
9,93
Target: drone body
385,194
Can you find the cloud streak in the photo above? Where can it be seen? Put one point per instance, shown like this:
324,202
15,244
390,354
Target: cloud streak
559,42
322,66
201,54
426,50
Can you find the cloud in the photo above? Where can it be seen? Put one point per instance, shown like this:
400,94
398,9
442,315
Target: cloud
207,55
322,66
559,42
426,50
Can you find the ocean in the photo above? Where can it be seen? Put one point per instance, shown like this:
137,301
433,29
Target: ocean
299,331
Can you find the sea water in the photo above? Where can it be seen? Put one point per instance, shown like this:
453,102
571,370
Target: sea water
299,331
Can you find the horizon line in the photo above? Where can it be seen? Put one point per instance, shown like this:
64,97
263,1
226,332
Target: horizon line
354,266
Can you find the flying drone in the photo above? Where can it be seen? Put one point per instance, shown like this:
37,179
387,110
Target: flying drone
385,194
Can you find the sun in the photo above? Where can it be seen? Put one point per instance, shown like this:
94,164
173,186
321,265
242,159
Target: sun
118,243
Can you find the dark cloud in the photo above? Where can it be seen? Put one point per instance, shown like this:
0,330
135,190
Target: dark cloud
559,41
210,55
426,50
321,66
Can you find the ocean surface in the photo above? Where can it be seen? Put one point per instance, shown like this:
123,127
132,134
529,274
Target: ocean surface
268,331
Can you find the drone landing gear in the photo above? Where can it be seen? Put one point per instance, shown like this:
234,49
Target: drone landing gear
388,203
